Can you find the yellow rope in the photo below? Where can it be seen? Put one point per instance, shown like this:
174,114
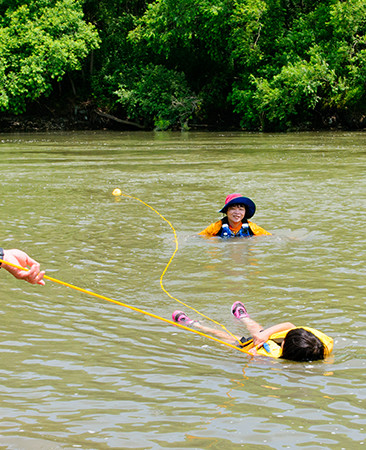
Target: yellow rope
169,262
103,297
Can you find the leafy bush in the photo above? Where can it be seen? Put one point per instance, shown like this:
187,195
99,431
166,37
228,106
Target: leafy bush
291,96
38,45
160,97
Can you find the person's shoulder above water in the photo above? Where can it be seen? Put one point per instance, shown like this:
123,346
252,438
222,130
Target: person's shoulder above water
237,210
212,230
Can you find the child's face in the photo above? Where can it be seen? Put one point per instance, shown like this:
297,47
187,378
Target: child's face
236,213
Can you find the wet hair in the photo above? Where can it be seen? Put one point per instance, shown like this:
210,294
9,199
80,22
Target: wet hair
301,345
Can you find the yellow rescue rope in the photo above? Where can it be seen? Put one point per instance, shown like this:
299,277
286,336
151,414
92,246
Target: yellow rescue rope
103,297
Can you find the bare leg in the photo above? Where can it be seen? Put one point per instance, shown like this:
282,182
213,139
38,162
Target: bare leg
221,334
251,325
239,311
181,317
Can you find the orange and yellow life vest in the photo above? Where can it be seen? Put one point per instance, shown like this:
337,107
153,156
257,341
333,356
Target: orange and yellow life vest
275,350
215,228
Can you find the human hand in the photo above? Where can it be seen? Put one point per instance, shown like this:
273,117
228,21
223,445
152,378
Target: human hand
259,338
20,258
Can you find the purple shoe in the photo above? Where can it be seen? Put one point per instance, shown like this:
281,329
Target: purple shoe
182,318
239,311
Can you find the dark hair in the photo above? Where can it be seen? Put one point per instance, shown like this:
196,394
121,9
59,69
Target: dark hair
301,345
236,204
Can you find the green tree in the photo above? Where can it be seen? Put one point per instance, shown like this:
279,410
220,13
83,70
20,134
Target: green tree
257,64
190,37
306,66
160,97
115,62
39,43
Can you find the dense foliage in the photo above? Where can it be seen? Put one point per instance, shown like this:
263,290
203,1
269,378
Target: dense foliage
40,41
254,64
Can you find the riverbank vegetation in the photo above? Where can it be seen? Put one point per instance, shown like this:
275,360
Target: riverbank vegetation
270,65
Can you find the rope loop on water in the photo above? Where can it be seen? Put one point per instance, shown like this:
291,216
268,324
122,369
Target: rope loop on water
169,262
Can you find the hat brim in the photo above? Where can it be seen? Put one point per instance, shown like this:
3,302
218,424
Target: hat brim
247,202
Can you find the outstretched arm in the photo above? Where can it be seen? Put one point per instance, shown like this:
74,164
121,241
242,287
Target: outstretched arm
20,258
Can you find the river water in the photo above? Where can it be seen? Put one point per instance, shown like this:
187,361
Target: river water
81,372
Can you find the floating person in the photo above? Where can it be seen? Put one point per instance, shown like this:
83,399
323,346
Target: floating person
20,258
284,340
238,209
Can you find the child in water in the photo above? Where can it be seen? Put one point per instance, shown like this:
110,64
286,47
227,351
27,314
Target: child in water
237,210
284,340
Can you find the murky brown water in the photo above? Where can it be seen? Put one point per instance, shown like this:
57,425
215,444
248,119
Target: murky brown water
79,372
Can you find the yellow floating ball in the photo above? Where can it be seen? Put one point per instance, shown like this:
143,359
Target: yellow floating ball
116,192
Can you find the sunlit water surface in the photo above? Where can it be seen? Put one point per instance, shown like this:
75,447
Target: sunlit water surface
81,372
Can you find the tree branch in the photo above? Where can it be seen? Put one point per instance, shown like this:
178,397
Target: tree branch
116,119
